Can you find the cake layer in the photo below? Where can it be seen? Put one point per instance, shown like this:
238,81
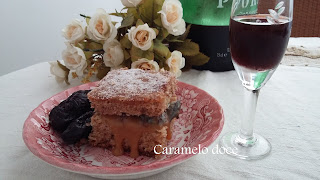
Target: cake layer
134,92
129,133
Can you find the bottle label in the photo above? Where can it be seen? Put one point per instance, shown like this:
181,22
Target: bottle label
244,3
223,54
247,6
206,13
221,2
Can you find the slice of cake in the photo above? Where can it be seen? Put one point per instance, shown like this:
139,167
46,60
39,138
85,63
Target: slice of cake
134,111
134,92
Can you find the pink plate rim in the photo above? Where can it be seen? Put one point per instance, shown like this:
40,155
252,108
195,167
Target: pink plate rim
80,168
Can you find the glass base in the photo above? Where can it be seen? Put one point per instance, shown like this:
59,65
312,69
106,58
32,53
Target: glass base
253,148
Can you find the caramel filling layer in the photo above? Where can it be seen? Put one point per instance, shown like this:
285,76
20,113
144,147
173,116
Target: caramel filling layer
131,128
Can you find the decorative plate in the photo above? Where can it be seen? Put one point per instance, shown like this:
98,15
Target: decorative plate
200,123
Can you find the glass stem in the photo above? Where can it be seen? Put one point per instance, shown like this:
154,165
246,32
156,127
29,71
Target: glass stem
246,137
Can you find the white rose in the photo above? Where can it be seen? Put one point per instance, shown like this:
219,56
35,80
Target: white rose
176,62
100,27
74,59
74,32
171,17
57,71
131,3
113,53
145,64
142,36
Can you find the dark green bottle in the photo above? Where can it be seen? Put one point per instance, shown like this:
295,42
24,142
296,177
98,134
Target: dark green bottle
210,29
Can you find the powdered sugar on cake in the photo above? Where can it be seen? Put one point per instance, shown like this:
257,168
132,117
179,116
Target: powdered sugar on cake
133,82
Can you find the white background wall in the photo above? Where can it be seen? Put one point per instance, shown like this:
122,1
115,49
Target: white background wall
30,30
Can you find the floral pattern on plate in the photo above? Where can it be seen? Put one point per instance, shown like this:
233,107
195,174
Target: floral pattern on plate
200,123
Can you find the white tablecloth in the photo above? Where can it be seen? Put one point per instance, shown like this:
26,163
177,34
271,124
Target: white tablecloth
288,116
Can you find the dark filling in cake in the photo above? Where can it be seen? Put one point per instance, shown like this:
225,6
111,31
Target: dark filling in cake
167,115
72,117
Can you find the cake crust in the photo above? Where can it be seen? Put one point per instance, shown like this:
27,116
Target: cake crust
134,92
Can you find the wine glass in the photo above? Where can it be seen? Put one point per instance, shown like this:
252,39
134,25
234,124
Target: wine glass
258,40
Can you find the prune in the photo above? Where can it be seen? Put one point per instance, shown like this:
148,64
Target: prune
78,129
69,110
171,112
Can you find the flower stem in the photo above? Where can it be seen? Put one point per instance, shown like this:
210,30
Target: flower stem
82,15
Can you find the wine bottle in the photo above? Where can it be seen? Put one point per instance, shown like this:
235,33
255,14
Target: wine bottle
209,21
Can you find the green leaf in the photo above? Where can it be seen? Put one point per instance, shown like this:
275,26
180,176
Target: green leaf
185,34
127,63
197,60
88,54
118,14
175,40
158,21
156,8
123,9
133,11
80,45
97,51
102,71
149,10
126,54
163,33
139,22
137,53
93,46
161,61
161,50
187,48
125,42
186,67
152,46
127,21
122,31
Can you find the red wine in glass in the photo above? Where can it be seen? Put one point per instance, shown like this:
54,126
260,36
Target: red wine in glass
257,44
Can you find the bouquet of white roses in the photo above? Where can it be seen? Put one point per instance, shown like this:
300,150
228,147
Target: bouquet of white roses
152,35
